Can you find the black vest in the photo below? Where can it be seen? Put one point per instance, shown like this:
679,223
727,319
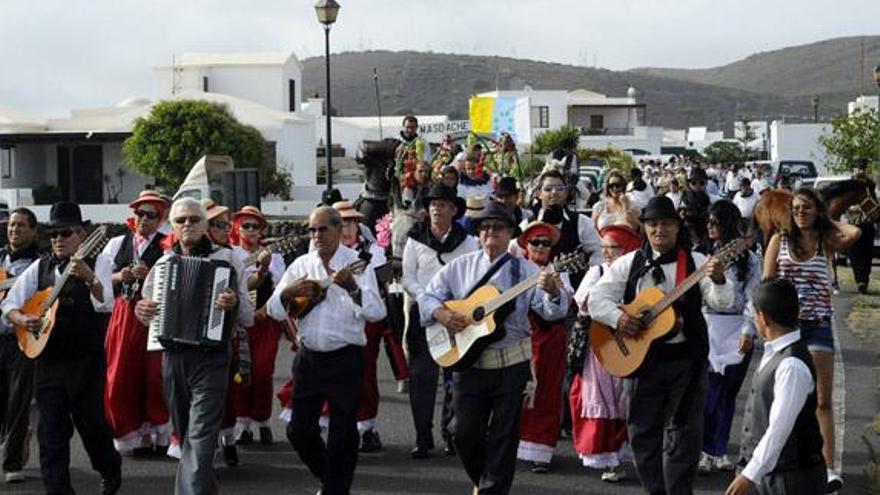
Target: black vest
125,255
79,329
803,448
569,239
688,308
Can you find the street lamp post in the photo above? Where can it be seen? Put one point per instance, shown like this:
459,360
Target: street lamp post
327,10
815,102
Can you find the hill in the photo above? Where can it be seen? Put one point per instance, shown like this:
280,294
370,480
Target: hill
435,83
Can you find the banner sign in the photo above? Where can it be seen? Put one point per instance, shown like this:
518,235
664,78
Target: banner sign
434,132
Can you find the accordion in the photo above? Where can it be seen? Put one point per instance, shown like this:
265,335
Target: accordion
184,289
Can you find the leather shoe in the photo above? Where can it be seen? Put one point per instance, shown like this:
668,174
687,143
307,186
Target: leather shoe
266,436
110,486
419,453
370,442
450,449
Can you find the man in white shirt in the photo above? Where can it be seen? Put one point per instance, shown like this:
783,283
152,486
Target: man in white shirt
674,192
781,446
746,199
488,396
330,363
665,419
430,245
760,182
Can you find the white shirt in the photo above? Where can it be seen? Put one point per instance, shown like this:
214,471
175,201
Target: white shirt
583,291
675,197
28,282
587,234
13,269
276,264
606,295
746,205
338,320
460,276
758,185
792,384
420,263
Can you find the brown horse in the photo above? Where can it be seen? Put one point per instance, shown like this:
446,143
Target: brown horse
773,211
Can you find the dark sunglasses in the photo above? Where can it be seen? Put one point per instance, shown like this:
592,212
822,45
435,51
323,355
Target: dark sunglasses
219,224
698,183
152,215
192,219
65,233
250,226
553,188
540,242
615,185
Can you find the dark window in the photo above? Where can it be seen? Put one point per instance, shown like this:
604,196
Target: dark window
6,158
205,84
291,95
541,117
597,122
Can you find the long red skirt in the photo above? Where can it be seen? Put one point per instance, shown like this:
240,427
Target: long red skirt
539,426
600,442
133,393
254,400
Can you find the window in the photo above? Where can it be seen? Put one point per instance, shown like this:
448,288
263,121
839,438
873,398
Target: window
291,95
205,84
540,117
6,162
597,121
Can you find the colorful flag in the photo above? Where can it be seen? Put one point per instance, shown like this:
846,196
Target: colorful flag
491,115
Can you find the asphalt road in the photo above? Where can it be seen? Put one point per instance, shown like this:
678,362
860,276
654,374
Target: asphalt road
277,470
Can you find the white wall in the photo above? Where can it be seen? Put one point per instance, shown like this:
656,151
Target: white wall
132,182
295,151
259,84
799,142
649,139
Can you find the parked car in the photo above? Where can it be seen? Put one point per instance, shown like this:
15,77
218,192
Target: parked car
799,170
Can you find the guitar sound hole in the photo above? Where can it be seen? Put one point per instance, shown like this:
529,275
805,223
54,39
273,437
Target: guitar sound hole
479,313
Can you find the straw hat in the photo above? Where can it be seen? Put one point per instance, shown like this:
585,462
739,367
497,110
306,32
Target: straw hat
346,210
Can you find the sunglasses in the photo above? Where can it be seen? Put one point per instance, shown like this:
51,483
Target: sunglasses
152,215
615,185
219,224
698,183
553,188
65,233
250,226
192,219
540,243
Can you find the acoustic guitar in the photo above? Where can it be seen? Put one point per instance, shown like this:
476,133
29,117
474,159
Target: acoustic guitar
621,355
283,245
460,350
45,302
5,283
310,293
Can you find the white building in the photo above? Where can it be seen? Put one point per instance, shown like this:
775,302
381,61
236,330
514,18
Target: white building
864,102
604,121
81,154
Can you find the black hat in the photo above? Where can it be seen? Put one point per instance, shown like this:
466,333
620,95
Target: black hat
861,163
698,173
496,211
439,191
65,214
506,186
657,208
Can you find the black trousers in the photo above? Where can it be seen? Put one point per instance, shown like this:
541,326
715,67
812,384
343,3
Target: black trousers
423,375
334,377
665,423
70,393
16,393
861,254
487,405
809,481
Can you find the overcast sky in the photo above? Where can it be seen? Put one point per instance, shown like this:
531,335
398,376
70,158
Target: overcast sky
57,55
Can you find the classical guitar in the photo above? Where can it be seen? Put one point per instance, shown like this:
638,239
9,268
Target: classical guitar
45,302
283,245
310,293
5,283
621,355
459,350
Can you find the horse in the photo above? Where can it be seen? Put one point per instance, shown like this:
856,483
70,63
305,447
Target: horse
377,158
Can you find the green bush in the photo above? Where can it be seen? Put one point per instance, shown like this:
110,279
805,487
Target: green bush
566,137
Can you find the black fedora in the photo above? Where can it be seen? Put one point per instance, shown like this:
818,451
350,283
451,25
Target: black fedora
65,214
496,211
439,191
659,207
506,187
698,173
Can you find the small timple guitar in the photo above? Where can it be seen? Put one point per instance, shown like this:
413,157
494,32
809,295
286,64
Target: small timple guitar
45,302
459,350
310,293
621,355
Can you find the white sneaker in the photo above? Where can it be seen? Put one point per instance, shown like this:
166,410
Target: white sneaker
707,463
834,483
174,451
724,464
613,475
15,477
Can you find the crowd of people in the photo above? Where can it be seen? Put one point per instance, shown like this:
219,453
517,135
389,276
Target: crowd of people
535,381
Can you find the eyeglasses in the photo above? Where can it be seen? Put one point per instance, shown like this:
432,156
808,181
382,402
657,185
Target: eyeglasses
615,185
192,219
65,233
250,226
540,243
219,224
496,226
152,215
553,188
318,230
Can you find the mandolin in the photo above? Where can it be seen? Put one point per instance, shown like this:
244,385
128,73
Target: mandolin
460,350
45,302
310,293
621,355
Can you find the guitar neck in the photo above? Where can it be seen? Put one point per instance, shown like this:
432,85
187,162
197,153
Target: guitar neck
512,293
56,289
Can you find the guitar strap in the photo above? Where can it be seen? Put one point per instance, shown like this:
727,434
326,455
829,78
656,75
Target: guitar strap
489,274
